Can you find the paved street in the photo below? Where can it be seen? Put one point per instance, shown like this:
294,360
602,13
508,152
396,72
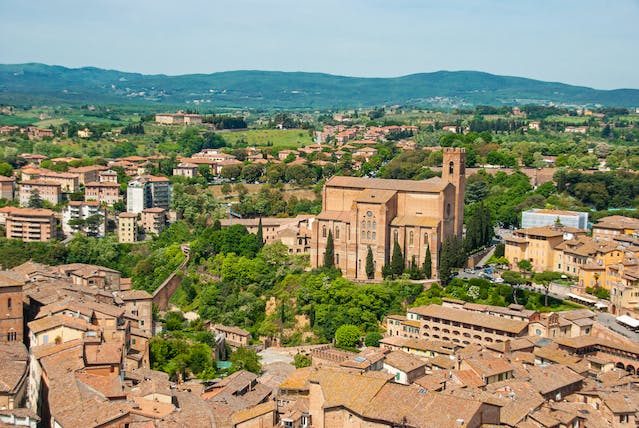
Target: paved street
610,322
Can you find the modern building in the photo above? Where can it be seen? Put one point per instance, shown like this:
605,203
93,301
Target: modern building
30,225
149,192
542,217
363,213
127,227
89,218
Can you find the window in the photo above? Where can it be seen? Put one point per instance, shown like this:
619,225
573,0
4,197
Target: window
363,224
447,210
368,225
324,231
451,167
337,233
397,375
374,234
623,419
368,235
337,259
363,234
9,303
133,341
374,225
425,238
395,235
12,336
410,238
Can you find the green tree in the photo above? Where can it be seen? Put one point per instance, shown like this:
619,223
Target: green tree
397,260
347,336
545,278
373,338
428,263
525,265
35,201
370,265
259,238
226,189
445,265
6,169
301,360
329,255
246,359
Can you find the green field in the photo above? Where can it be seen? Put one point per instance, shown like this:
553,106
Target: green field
280,139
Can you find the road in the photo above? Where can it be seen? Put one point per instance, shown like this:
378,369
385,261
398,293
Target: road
609,321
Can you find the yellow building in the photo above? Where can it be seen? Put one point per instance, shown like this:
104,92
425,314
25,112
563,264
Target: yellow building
127,227
608,227
537,245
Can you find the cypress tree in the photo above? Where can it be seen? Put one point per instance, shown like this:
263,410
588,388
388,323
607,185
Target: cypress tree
444,263
397,260
428,264
260,235
217,225
329,255
370,265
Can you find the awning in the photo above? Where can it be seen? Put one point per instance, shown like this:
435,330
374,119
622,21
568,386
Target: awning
581,298
625,319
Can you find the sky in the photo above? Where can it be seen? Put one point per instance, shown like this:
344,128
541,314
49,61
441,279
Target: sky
587,42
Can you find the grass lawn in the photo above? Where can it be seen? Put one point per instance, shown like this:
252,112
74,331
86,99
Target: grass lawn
279,139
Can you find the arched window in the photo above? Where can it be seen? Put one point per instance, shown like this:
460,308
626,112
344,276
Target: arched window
451,167
374,225
324,231
368,225
337,233
395,235
447,210
425,238
410,238
363,234
368,235
374,235
363,224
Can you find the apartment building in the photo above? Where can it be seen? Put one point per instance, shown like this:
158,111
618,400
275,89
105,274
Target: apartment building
68,181
88,174
105,193
47,191
127,227
153,220
148,191
30,225
85,217
108,176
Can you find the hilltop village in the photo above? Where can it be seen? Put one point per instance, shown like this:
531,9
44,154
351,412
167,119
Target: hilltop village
371,276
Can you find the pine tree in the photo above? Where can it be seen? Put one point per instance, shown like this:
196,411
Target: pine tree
370,265
428,264
35,201
329,255
397,260
260,235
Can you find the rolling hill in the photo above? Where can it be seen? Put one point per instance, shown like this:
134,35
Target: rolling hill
44,84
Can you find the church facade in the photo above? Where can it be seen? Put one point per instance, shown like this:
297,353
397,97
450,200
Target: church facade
371,212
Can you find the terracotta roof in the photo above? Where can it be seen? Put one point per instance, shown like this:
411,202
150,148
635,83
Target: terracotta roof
127,215
298,380
102,184
13,365
487,367
343,216
8,280
551,378
375,196
235,330
254,412
404,362
432,185
105,353
53,321
472,318
410,220
31,212
135,295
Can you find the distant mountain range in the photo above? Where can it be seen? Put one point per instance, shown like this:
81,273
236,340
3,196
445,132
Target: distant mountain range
45,84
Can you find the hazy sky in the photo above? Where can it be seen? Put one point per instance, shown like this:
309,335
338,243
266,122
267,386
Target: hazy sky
584,42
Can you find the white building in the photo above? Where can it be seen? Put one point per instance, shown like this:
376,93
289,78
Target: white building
542,217
148,192
83,210
138,196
